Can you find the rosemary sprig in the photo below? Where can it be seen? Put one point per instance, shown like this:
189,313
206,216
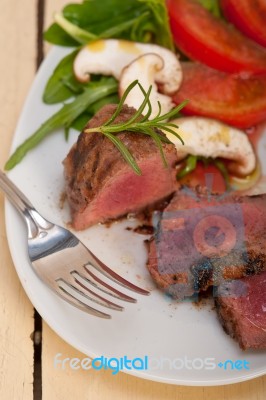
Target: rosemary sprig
140,123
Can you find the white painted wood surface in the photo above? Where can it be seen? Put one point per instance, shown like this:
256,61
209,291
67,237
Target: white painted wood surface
17,69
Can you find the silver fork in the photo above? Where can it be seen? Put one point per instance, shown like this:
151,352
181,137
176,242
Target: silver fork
66,265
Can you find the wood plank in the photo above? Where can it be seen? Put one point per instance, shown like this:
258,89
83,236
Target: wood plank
70,384
67,384
17,69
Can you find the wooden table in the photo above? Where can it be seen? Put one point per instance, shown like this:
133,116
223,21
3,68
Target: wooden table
22,376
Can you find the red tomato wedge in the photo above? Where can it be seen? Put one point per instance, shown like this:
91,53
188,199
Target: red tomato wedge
249,16
200,177
226,97
203,37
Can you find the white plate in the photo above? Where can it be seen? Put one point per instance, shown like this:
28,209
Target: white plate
167,332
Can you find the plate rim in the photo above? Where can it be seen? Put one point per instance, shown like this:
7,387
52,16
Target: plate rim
9,215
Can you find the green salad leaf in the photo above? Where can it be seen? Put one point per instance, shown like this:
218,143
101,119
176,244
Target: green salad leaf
138,20
65,117
83,37
77,24
62,84
213,6
83,118
190,165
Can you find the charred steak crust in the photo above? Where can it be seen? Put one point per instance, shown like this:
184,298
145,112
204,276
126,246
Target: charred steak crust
179,285
94,162
228,322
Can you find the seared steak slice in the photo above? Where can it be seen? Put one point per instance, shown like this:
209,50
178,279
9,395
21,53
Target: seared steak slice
241,307
101,186
202,240
174,281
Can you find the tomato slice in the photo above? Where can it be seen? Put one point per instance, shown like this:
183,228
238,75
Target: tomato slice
229,98
203,37
248,16
206,176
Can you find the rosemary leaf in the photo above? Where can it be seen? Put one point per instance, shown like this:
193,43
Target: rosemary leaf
141,108
121,103
148,114
160,110
140,124
158,143
173,113
166,128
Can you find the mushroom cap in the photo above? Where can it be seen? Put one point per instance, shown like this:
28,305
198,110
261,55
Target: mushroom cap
110,56
149,70
210,138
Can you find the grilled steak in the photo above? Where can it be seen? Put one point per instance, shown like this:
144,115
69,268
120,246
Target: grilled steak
241,307
100,185
202,240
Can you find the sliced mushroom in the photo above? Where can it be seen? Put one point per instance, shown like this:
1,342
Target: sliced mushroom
110,56
209,138
149,70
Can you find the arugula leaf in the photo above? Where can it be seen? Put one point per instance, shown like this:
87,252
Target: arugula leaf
64,117
224,172
83,37
95,17
95,107
80,122
62,84
90,13
137,20
92,19
56,35
80,35
162,32
212,6
190,165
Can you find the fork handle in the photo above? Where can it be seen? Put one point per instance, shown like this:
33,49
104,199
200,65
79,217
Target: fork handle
32,218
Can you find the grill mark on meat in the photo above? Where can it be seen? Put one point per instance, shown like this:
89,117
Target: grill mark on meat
95,161
96,173
108,165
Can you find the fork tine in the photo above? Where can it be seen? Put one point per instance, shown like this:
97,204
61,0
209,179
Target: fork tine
100,266
50,246
112,291
85,283
80,305
79,293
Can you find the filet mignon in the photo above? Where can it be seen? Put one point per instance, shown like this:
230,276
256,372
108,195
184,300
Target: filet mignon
241,307
201,240
101,186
